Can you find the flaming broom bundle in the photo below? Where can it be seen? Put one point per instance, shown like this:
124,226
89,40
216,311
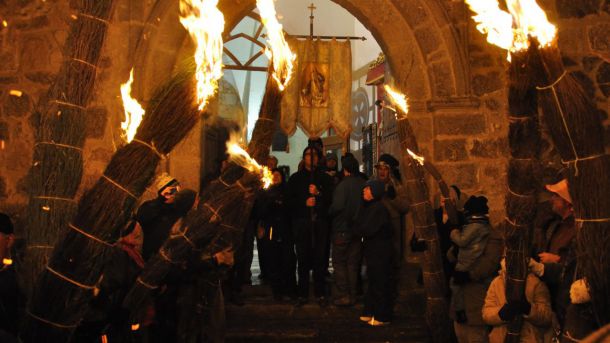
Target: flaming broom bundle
58,162
577,132
65,286
437,311
225,205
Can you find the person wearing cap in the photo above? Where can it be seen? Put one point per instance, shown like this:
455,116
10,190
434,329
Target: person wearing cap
373,225
346,248
397,203
309,196
556,264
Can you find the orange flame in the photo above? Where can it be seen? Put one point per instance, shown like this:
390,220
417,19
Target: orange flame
241,157
398,99
419,159
280,53
510,31
133,110
205,23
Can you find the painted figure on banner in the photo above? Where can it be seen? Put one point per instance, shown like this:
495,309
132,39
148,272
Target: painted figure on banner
314,85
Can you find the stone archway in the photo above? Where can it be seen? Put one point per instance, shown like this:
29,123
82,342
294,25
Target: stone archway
435,69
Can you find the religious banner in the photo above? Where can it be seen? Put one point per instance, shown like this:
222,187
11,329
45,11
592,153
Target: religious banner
319,96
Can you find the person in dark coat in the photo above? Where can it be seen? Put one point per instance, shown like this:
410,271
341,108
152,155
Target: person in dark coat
277,238
346,247
374,225
9,291
310,194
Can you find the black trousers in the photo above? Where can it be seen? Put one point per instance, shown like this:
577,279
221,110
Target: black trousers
347,257
311,240
281,263
378,300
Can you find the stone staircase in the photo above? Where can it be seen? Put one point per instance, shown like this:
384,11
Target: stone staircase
262,319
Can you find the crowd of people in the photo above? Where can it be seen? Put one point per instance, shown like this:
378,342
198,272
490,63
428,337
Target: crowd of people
320,212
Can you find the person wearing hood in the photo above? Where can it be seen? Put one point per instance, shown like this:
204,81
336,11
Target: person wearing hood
471,241
535,309
373,225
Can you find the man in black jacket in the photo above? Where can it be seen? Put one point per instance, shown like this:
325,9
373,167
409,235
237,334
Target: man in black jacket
310,194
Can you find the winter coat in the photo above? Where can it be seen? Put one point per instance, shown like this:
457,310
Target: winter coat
272,211
471,240
298,193
481,273
535,325
347,198
156,219
396,201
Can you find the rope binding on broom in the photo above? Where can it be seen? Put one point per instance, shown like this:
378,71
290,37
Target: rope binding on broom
88,235
147,285
592,220
514,223
69,104
60,145
46,321
84,62
89,16
117,185
151,146
517,194
67,279
46,197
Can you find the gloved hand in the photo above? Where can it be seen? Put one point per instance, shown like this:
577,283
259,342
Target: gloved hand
536,267
460,278
508,312
523,307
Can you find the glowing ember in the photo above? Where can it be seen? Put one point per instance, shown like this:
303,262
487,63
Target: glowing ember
280,54
398,99
4,23
133,110
510,31
419,159
7,261
135,327
205,23
15,92
241,157
530,20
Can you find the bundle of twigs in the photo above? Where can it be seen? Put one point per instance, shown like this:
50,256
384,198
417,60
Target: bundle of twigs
68,282
221,216
577,132
437,309
60,136
521,197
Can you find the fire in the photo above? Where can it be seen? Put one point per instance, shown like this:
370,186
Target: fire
510,31
530,20
419,159
493,21
398,99
133,110
280,53
205,23
241,157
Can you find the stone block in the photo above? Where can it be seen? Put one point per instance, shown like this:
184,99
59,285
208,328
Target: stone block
483,84
413,12
428,40
33,23
17,106
459,124
577,9
450,150
41,77
97,117
599,39
7,80
35,53
422,127
7,61
443,80
3,190
589,63
481,60
603,79
464,175
492,104
489,148
4,135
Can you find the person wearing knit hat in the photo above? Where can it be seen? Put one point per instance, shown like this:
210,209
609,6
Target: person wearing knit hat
167,186
346,247
373,225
